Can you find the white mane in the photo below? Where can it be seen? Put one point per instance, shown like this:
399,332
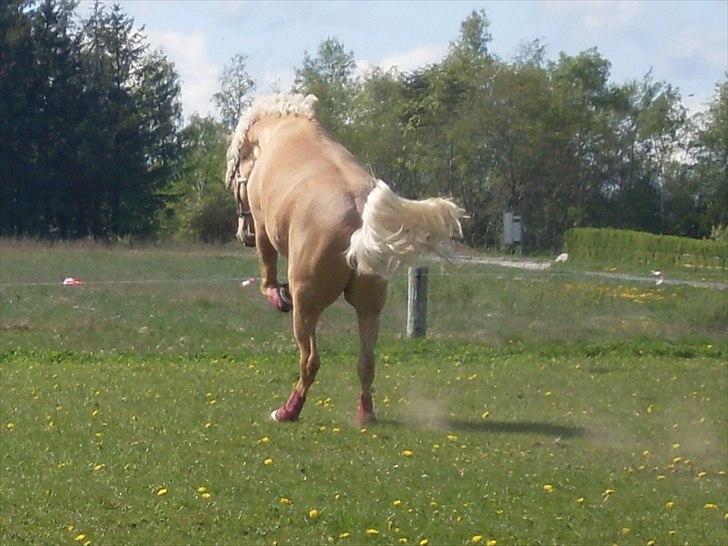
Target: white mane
282,104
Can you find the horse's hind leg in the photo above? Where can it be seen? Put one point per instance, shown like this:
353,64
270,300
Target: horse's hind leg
367,295
307,309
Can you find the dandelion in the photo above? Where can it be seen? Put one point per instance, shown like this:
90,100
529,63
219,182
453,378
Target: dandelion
268,461
408,453
99,467
397,503
485,415
580,500
403,540
661,477
372,532
702,474
548,488
87,543
650,543
710,506
424,542
80,538
161,491
452,437
202,489
206,495
284,501
264,440
669,504
608,492
344,535
208,425
476,539
625,531
491,542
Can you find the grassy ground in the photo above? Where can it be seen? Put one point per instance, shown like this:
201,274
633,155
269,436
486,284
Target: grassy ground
542,410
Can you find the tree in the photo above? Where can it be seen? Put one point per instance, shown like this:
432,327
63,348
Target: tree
236,88
330,76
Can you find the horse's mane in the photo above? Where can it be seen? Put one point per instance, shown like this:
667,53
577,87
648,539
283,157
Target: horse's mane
281,104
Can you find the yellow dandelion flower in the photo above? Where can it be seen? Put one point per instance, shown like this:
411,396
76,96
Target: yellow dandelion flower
313,513
485,415
268,461
476,539
710,506
372,532
80,538
675,446
650,543
10,426
580,500
264,440
625,531
87,543
284,501
344,535
162,491
702,474
452,437
208,425
70,528
548,488
336,429
669,504
99,467
403,540
608,492
407,453
491,542
206,495
202,489
661,477
397,503
424,542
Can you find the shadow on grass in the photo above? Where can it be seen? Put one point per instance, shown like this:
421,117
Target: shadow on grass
489,427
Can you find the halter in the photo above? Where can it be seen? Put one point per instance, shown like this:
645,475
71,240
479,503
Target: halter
243,186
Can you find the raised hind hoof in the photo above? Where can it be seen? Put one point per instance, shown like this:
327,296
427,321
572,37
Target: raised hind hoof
279,297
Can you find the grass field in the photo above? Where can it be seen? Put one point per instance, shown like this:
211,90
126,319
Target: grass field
543,409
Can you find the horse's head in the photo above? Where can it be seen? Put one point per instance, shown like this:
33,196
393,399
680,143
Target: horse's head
246,225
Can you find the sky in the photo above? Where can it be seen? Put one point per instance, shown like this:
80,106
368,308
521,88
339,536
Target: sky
682,42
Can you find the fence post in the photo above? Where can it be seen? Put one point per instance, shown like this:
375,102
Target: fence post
416,302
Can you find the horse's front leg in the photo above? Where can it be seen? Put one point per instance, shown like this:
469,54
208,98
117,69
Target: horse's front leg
276,294
304,329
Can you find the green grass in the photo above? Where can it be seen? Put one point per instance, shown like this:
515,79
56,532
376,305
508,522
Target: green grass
610,393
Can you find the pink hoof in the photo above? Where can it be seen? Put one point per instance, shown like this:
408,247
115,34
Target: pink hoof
365,411
290,410
279,297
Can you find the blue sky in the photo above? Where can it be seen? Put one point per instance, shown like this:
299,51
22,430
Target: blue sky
684,43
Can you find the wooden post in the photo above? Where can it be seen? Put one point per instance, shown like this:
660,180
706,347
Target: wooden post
416,302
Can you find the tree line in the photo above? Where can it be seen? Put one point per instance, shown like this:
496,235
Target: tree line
95,145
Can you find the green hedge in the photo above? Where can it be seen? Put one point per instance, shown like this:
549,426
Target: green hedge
648,249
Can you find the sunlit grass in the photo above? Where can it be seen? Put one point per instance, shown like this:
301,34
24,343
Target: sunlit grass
543,409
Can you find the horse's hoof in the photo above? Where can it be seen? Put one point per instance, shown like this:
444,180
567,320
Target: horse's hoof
279,297
364,419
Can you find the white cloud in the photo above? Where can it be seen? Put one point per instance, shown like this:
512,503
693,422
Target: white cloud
198,74
597,16
405,61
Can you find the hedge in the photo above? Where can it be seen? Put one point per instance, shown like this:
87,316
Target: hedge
648,249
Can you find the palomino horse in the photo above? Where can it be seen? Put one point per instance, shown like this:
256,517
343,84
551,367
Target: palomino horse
303,195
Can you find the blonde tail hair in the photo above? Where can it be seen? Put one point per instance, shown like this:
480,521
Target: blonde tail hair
395,231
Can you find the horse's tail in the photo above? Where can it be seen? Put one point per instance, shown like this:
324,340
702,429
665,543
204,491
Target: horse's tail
395,231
